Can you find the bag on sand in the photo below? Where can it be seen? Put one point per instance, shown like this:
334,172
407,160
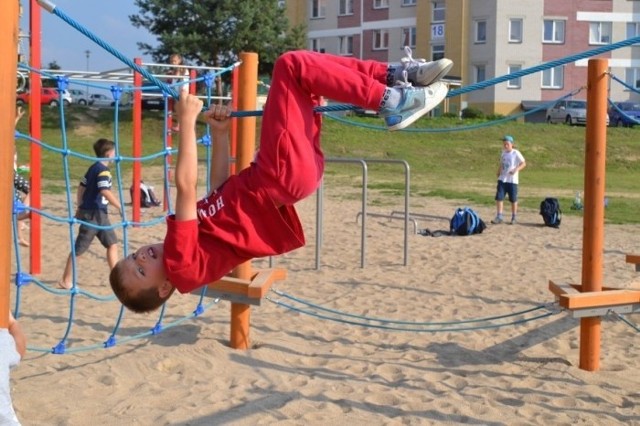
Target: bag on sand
550,211
465,221
147,195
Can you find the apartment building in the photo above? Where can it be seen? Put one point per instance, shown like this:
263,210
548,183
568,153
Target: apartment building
485,39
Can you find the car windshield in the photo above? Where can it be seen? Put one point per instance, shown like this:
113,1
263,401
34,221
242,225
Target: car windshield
630,107
577,104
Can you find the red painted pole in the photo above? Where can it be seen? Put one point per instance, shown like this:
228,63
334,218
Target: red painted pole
137,142
593,221
35,129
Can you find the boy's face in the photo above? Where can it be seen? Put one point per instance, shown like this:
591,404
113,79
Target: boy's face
508,146
144,269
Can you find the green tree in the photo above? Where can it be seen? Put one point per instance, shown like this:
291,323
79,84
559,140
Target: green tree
214,32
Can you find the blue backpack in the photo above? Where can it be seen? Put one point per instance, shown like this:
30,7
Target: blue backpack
465,221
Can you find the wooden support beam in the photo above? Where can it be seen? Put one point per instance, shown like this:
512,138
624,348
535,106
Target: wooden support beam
255,288
634,259
571,297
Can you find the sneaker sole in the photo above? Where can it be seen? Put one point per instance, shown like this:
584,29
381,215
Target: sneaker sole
440,91
434,73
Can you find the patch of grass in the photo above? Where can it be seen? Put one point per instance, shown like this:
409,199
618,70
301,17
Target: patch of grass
458,165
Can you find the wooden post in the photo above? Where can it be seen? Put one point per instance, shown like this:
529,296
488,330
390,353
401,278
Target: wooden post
247,99
593,221
8,81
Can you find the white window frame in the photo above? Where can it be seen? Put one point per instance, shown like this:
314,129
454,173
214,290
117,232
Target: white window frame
558,29
409,35
552,78
633,29
438,11
409,2
632,77
380,40
478,36
345,45
437,51
318,9
515,33
479,73
380,4
600,32
515,83
345,7
314,44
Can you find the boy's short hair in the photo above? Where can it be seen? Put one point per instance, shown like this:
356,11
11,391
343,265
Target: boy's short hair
102,146
144,301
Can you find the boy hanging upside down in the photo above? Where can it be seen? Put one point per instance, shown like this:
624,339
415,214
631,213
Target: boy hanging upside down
252,214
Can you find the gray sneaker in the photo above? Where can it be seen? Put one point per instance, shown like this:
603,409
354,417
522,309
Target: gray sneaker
513,221
497,220
419,72
416,102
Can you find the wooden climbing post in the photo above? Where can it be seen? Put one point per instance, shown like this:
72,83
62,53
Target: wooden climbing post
8,81
247,100
593,221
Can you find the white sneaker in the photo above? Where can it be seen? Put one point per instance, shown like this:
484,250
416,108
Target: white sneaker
419,72
416,102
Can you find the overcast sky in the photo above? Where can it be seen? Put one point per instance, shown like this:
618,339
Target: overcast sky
107,19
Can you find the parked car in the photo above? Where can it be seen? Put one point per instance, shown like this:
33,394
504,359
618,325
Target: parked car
625,114
152,97
48,96
79,96
569,111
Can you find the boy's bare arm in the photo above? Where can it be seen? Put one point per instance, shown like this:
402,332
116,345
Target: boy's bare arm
188,108
16,331
219,119
111,198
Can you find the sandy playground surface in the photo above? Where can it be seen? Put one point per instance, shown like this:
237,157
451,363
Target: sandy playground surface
305,369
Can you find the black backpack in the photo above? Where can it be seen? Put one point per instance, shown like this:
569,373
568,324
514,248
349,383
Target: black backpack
466,221
550,211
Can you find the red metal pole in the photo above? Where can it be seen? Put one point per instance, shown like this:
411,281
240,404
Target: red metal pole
137,142
593,221
35,129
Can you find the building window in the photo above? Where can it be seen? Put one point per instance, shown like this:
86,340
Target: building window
437,52
314,44
408,2
346,45
480,73
346,7
553,78
553,31
380,39
409,37
515,83
480,31
317,8
380,4
600,33
438,10
632,77
633,29
515,30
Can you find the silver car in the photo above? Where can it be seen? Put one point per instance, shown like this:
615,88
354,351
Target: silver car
571,112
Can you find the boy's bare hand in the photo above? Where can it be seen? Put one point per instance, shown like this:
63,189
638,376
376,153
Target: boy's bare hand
188,107
218,117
